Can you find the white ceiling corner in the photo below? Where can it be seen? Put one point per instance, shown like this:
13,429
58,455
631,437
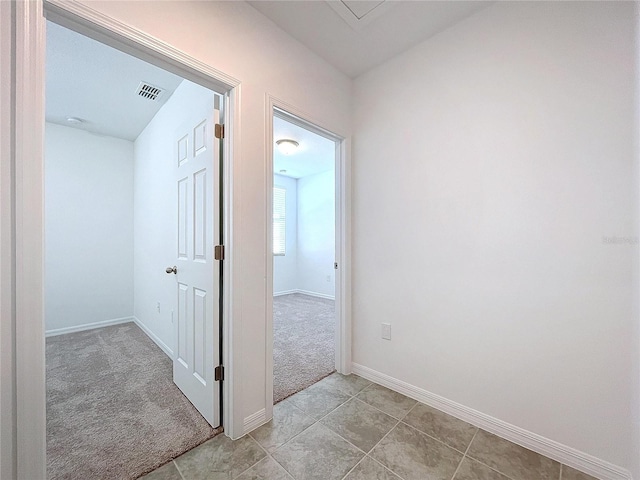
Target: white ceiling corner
316,154
355,36
359,13
99,85
362,7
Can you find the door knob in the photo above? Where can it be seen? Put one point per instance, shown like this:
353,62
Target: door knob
173,270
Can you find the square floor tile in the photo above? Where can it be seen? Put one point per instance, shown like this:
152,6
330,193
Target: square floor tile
267,469
512,460
359,423
369,469
349,384
569,473
416,456
472,470
318,454
318,400
287,422
219,458
390,402
447,429
166,472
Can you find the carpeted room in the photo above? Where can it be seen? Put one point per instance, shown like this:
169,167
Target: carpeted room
304,232
112,316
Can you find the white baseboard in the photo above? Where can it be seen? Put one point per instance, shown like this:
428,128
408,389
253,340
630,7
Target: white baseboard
255,420
87,326
284,292
566,455
316,294
304,292
165,348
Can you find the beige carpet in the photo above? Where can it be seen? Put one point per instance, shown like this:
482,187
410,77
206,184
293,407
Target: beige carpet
303,342
113,411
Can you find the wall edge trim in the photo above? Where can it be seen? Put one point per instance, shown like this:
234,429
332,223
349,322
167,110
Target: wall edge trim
564,454
87,326
64,11
304,292
163,346
255,420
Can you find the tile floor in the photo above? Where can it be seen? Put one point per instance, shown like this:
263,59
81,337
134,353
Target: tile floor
345,427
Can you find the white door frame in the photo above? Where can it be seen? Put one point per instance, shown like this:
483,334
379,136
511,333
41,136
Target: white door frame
26,457
343,236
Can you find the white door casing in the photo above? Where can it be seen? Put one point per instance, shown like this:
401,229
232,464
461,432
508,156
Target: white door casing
196,318
288,112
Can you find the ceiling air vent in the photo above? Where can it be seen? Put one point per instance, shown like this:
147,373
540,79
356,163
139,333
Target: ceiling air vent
148,91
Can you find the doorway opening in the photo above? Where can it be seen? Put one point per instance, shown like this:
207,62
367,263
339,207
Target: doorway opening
133,210
306,316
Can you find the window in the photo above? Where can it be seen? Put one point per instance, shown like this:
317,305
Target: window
279,224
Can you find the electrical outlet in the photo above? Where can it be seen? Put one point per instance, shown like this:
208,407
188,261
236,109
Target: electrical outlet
386,331
158,307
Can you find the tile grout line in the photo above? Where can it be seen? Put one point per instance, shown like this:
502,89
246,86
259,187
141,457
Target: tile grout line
281,466
314,423
464,455
502,473
351,397
490,467
401,420
378,443
300,432
440,441
366,454
319,420
398,421
314,420
388,414
385,467
354,467
175,464
254,464
437,439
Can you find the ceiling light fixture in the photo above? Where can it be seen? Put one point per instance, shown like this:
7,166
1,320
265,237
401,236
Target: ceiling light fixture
287,146
74,120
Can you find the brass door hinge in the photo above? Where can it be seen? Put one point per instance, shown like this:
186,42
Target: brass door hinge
219,130
218,373
219,252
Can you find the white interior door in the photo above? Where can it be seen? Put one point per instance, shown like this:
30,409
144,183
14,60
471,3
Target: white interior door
196,323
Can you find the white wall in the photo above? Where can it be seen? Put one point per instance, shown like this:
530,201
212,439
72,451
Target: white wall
285,271
155,209
510,136
316,233
88,228
7,297
635,374
307,266
234,38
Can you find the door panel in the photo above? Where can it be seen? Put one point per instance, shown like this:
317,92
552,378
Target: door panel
197,226
200,216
